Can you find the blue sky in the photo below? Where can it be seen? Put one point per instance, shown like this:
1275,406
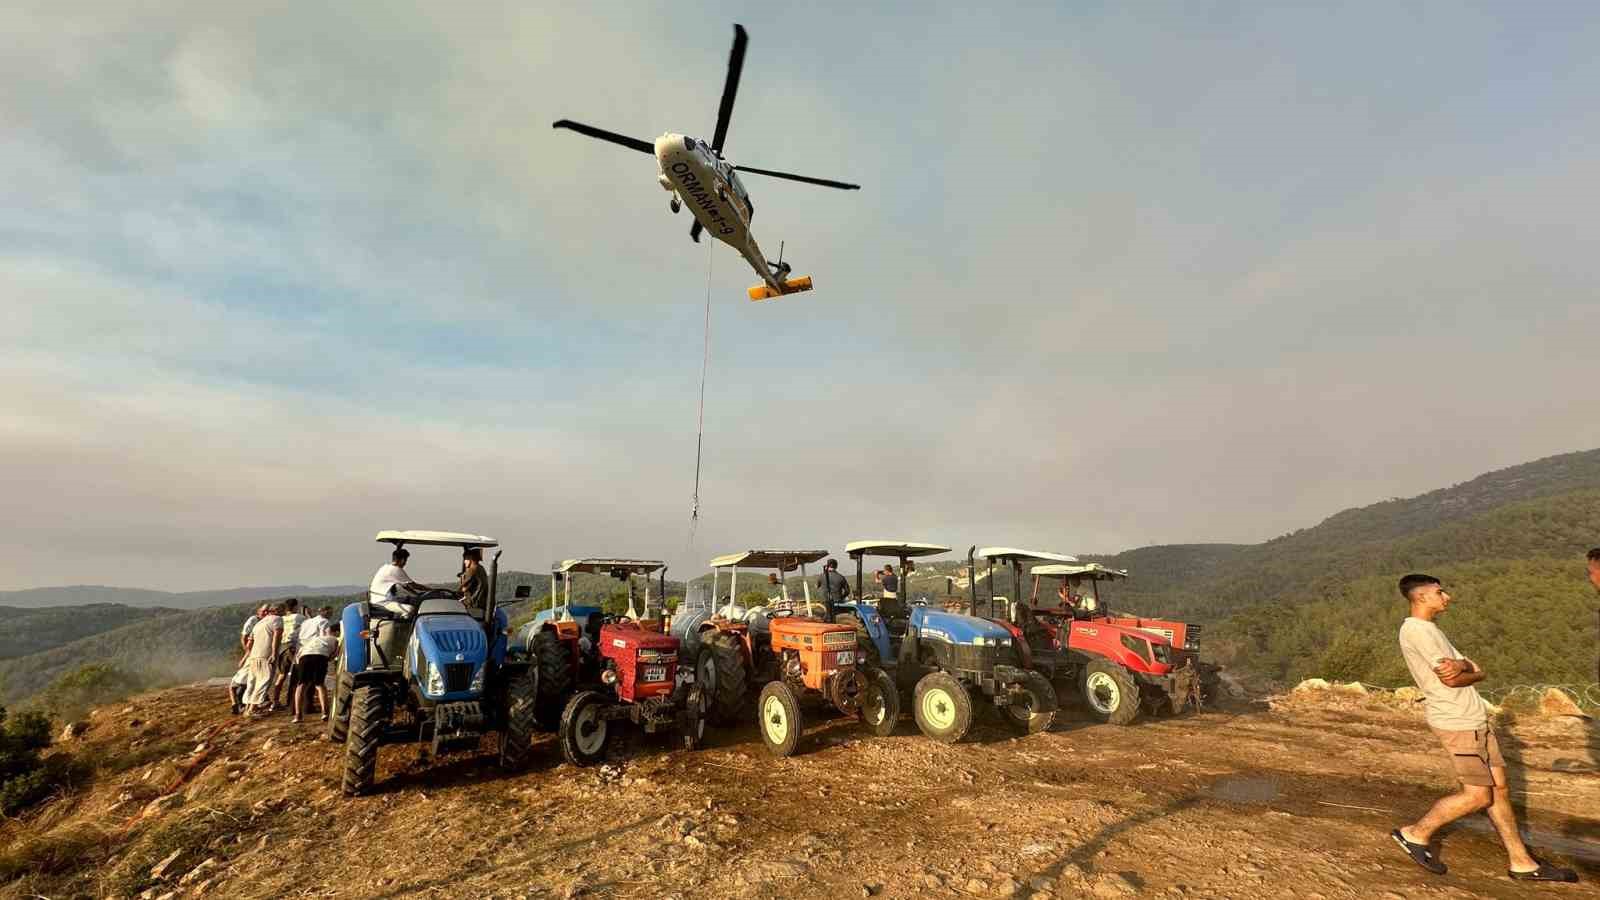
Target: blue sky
278,277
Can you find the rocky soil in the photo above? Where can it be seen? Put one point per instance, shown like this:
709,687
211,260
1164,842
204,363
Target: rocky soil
1295,794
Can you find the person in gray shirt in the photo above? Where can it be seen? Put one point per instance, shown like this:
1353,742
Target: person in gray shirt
1460,719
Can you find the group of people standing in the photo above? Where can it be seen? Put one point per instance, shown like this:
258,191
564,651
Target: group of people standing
284,648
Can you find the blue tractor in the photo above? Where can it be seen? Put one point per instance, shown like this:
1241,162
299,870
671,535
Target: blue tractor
425,668
950,662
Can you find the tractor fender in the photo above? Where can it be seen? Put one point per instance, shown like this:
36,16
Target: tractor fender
353,621
877,628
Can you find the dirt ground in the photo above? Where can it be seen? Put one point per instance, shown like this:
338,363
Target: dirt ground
1258,799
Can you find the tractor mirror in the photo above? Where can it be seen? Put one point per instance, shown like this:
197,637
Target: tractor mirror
524,591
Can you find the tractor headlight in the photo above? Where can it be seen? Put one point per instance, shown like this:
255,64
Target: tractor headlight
477,678
435,680
978,641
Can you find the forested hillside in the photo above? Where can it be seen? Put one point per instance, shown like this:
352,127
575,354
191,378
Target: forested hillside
25,631
1509,544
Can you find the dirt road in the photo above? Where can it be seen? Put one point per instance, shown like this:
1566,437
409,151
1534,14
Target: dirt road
1257,800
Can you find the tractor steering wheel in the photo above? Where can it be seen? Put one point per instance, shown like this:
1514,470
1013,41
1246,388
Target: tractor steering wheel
432,594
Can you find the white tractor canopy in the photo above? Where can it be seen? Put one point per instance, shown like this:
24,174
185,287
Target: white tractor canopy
907,549
1085,570
608,566
782,560
436,539
1013,555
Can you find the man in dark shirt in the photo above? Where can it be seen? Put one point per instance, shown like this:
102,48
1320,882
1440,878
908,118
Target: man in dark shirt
835,587
474,588
891,582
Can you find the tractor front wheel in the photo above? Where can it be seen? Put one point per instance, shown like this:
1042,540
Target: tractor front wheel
1033,713
778,712
880,704
942,707
1110,691
719,671
556,676
369,716
692,723
584,730
522,703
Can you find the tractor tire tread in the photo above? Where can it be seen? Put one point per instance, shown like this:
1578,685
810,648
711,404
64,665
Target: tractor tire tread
369,714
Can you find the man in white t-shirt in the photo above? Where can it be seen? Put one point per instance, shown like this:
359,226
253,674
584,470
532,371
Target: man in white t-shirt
390,580
1460,719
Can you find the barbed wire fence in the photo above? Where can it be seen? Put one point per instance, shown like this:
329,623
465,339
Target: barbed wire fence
1585,695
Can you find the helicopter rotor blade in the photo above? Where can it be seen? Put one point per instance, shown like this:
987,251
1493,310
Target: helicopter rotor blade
844,186
694,231
730,88
621,140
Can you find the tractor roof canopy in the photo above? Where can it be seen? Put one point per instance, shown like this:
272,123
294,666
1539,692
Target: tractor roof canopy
608,566
1012,554
1088,570
782,560
908,549
436,539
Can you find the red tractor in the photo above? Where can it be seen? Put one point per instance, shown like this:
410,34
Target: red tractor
1120,665
640,681
563,641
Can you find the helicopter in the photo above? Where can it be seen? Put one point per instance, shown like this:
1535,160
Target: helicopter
695,173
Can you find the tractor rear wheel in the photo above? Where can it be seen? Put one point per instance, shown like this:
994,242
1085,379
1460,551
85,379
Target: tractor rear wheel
778,713
1110,691
369,716
553,657
339,714
719,671
1035,713
880,705
583,730
520,721
942,707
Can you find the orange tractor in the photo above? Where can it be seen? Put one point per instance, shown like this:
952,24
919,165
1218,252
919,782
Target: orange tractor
738,637
777,644
820,659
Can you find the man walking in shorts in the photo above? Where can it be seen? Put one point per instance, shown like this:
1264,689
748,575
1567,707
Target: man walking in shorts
1460,719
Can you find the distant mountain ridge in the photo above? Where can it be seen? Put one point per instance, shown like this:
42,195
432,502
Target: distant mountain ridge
84,594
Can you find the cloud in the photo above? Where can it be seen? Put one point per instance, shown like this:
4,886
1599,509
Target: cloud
274,280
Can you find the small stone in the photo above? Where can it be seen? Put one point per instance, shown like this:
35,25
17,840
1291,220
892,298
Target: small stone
932,881
976,886
690,840
1041,883
197,871
1007,887
1114,884
73,730
160,868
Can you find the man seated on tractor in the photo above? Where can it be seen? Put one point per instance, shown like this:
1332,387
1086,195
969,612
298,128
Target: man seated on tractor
835,588
390,580
474,587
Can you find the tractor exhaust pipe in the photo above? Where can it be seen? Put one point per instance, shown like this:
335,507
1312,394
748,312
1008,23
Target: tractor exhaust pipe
489,605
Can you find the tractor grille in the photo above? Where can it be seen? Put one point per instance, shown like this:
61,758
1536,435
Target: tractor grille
834,639
1191,637
978,659
457,677
463,641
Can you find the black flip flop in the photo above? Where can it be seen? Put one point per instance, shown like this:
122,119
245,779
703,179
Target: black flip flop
1545,872
1420,854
